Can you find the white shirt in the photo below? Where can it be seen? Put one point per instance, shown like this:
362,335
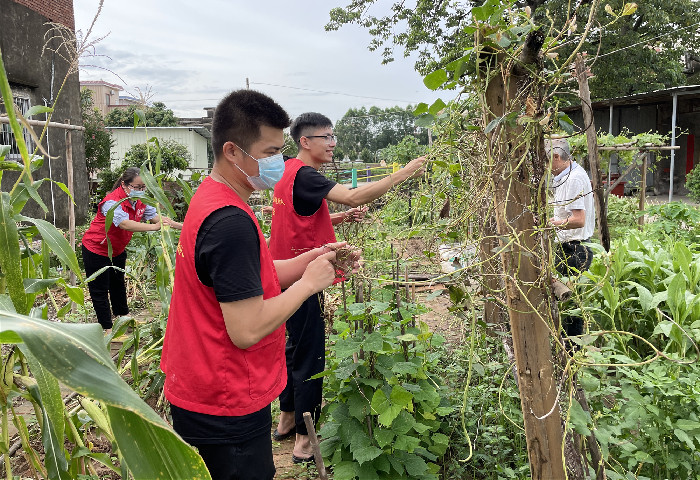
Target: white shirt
573,191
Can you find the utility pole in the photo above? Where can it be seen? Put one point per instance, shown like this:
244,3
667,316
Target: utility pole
247,83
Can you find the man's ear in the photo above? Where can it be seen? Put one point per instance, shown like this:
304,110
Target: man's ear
231,151
304,142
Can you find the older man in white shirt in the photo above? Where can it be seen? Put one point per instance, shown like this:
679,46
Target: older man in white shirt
574,217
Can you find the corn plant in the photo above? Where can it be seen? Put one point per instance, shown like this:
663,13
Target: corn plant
46,353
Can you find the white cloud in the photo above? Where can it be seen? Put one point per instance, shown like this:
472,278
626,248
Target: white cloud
193,53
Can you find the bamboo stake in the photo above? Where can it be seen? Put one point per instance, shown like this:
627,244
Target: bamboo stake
71,203
315,446
643,188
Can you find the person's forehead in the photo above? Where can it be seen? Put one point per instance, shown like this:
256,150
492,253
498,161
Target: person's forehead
270,137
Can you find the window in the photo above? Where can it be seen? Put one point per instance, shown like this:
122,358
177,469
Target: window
106,98
23,102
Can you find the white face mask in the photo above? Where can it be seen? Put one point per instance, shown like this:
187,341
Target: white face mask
270,171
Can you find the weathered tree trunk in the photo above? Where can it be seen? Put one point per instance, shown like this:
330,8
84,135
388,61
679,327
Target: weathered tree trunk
592,142
518,194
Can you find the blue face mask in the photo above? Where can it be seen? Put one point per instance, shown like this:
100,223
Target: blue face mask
136,193
270,171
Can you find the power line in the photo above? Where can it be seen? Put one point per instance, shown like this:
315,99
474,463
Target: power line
648,40
331,93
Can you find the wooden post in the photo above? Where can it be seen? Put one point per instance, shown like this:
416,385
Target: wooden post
592,142
315,446
643,188
508,90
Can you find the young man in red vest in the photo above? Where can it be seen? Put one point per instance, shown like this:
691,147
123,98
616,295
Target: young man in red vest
300,222
223,353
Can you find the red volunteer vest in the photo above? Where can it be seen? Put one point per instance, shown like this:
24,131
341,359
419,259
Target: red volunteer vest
95,239
290,233
205,371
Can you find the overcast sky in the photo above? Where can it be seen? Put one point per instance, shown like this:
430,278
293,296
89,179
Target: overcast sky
191,53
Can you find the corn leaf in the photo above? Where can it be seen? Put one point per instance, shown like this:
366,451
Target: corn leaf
77,356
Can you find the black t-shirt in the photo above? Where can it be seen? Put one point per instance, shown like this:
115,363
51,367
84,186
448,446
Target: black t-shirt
227,258
310,188
223,255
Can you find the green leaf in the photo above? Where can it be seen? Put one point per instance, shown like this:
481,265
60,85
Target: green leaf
36,110
565,122
435,79
676,296
409,337
684,437
629,9
75,293
493,124
38,285
645,297
51,400
76,355
579,418
420,109
10,257
415,466
383,437
425,121
155,190
8,165
57,242
402,397
482,14
139,118
374,342
366,454
608,9
437,106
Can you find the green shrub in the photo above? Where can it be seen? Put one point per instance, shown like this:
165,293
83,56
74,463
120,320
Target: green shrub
692,183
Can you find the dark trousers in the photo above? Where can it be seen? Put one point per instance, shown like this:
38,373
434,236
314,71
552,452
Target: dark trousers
247,460
568,256
306,356
108,287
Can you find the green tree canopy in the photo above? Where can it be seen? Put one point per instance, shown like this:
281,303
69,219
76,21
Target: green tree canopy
373,129
98,141
403,152
636,53
157,115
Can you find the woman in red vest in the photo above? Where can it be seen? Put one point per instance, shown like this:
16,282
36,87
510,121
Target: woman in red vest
109,286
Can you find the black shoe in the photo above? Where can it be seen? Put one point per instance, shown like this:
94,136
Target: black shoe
278,437
296,459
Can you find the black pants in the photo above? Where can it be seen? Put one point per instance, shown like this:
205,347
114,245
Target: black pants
108,287
306,356
568,256
247,460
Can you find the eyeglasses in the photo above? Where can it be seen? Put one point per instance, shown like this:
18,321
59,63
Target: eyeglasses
137,187
328,138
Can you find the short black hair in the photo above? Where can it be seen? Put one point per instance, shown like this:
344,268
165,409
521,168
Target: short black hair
238,118
306,122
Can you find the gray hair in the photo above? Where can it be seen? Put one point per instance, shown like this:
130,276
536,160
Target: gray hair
560,144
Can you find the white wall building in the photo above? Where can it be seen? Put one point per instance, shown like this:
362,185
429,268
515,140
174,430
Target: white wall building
194,138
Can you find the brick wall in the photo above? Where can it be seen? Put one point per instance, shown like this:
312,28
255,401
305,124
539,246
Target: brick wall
58,11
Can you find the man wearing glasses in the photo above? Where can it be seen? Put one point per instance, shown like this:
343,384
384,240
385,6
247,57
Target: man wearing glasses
301,221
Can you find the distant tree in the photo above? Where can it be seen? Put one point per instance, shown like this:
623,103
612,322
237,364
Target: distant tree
174,156
98,141
403,152
375,129
157,115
